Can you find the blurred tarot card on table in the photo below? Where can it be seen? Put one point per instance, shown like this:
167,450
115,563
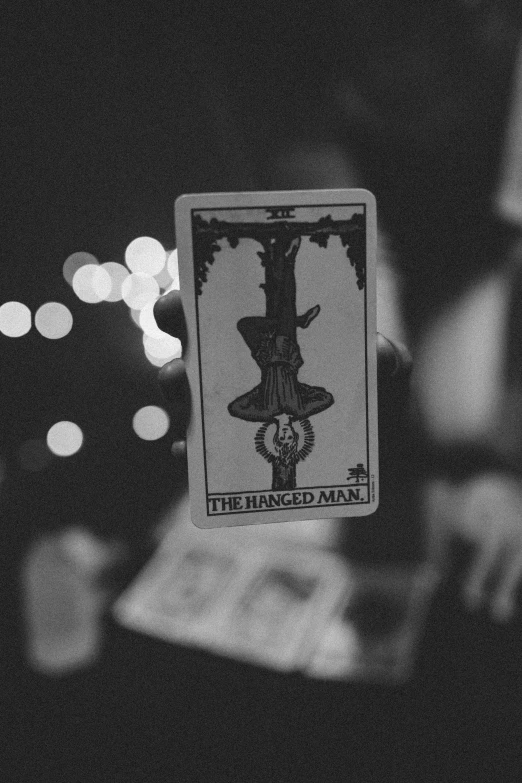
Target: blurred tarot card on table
181,595
279,295
246,597
280,613
374,636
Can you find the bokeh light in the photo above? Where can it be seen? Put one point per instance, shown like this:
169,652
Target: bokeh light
164,279
117,273
74,262
65,438
148,323
138,289
146,256
15,319
34,455
135,315
173,269
92,283
154,360
151,422
164,347
53,320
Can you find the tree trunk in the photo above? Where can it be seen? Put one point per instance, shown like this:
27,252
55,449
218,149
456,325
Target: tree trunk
283,476
280,293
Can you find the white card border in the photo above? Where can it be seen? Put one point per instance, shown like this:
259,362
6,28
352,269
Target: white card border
183,208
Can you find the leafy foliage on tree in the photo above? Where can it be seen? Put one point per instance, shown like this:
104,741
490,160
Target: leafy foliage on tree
206,235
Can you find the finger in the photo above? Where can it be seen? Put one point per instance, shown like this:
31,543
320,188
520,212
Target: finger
175,387
503,603
168,312
179,448
474,589
439,505
491,518
393,360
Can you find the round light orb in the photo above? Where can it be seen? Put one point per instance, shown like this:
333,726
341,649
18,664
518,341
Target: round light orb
164,279
74,262
173,269
145,255
154,360
164,347
53,320
117,273
64,438
135,316
92,283
15,319
148,323
151,422
138,289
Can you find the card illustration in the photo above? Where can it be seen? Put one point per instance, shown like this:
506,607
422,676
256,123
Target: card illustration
280,398
296,360
271,606
197,583
261,595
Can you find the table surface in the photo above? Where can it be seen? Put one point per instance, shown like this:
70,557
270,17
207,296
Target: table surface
150,711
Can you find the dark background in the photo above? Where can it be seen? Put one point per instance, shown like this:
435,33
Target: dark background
109,115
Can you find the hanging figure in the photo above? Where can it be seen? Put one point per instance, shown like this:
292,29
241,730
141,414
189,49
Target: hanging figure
280,397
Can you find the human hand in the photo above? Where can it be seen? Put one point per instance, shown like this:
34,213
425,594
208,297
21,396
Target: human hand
486,512
168,312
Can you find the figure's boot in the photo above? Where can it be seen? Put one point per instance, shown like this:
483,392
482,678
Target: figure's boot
292,249
306,319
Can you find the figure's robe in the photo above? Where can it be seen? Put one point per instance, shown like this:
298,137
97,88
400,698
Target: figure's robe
279,360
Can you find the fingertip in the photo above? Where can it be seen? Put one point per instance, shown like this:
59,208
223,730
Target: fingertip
472,597
168,312
393,359
179,448
176,390
172,372
502,611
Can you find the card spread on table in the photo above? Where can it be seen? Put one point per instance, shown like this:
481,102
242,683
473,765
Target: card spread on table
276,597
263,598
278,290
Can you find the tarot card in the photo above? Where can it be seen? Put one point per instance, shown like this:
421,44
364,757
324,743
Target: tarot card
279,295
181,596
256,598
375,634
280,614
